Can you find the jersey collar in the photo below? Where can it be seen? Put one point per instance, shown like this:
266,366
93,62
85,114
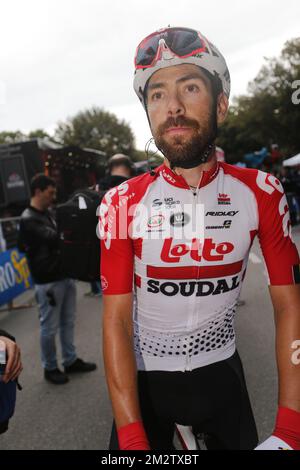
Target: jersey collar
179,181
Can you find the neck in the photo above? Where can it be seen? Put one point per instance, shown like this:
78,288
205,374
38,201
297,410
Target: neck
193,175
34,202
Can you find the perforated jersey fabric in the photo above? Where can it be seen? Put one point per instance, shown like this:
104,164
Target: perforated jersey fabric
184,253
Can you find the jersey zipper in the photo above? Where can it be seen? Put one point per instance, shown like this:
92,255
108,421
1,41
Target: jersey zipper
191,319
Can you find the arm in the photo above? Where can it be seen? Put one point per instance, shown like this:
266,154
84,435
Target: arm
33,231
41,232
119,358
282,261
121,373
117,258
286,302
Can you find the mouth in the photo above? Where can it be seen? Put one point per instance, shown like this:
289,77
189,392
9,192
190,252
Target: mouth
178,130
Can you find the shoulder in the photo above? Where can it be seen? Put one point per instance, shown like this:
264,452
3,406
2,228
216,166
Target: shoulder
262,184
245,175
27,214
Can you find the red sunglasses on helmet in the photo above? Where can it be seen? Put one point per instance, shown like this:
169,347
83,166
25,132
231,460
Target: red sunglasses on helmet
183,42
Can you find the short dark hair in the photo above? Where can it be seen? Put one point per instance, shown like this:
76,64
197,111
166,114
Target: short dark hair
41,181
120,159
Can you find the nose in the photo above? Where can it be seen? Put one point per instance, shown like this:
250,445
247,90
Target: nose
175,105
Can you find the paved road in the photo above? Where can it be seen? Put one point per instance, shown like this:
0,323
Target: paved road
78,414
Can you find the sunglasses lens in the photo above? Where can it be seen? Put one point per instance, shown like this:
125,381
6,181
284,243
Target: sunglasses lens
181,41
147,50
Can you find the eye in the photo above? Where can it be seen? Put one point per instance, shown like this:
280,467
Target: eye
192,88
157,95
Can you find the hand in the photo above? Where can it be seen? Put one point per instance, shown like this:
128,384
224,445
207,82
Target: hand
273,443
14,365
286,435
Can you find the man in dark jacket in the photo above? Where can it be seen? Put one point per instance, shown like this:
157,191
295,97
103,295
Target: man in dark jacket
55,294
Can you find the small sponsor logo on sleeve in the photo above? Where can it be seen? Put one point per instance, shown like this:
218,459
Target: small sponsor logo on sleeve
104,283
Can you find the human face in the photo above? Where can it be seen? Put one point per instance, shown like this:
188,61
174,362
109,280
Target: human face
47,197
180,110
121,170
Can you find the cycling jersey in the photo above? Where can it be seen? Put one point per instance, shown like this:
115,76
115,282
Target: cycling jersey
187,286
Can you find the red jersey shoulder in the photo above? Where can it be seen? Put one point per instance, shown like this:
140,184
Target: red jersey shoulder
239,172
261,183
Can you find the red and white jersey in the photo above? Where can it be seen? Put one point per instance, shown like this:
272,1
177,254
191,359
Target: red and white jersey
185,252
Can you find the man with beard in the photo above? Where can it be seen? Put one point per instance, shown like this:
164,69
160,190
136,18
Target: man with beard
183,233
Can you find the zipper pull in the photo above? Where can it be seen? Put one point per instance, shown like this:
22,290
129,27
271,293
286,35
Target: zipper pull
188,364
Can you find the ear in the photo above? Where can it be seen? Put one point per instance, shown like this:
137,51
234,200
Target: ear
222,108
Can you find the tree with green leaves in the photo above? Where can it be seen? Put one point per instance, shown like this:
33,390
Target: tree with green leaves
98,129
38,133
267,114
11,137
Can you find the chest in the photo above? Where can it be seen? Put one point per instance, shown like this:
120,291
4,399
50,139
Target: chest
179,226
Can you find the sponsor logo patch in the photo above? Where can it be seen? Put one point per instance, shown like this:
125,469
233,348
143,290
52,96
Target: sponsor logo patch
156,221
104,283
224,199
210,251
156,203
189,288
226,224
222,214
179,219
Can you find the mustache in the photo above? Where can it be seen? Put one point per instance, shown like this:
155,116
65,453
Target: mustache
180,121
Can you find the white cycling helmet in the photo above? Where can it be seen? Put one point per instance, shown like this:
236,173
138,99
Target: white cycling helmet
175,46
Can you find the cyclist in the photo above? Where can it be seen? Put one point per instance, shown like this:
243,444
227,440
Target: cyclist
182,234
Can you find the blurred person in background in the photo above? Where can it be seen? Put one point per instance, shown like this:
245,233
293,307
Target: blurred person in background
120,168
55,294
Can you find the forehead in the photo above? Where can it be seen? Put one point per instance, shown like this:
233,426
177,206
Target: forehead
176,72
50,188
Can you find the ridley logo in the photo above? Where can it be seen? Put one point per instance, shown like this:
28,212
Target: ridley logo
224,199
209,251
222,214
156,221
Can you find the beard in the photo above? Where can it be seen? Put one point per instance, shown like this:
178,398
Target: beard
187,153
